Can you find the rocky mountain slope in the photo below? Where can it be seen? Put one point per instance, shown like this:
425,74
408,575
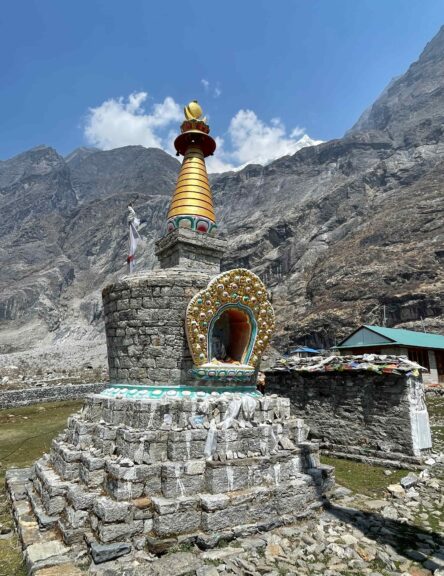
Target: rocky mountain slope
338,231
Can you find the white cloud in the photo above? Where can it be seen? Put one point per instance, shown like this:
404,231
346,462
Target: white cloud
297,132
215,92
255,142
249,140
220,161
117,122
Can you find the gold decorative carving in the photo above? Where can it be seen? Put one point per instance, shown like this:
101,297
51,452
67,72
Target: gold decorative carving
239,289
193,111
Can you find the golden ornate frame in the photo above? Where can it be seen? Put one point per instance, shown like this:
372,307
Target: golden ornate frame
238,288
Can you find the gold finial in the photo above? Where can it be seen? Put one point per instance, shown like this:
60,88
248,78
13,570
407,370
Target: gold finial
193,111
192,202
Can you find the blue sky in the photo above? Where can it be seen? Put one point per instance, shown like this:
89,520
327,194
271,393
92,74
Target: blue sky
264,71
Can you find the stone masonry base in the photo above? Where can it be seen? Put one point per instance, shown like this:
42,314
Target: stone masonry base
137,475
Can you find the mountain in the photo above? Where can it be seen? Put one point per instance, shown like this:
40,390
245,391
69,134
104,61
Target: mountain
346,229
79,154
411,108
63,235
342,232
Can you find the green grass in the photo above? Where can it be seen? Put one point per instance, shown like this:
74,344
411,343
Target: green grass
362,478
435,407
25,434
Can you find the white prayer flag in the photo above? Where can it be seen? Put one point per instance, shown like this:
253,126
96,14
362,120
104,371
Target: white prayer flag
134,238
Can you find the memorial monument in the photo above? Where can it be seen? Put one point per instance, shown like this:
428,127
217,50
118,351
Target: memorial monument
180,447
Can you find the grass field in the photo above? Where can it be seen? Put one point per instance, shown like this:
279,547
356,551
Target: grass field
435,408
362,478
25,434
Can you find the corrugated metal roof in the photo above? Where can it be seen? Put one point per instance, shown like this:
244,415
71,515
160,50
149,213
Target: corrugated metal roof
401,337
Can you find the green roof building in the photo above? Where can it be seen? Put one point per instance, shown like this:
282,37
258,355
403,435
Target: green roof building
426,349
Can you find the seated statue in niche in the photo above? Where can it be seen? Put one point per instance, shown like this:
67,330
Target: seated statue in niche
219,342
230,336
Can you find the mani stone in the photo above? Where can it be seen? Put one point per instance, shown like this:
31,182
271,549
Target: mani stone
105,552
409,481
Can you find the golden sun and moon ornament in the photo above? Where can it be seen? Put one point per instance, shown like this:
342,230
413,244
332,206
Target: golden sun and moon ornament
237,299
193,111
192,203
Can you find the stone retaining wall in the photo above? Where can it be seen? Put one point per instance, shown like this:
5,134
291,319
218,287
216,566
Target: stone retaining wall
27,396
434,392
361,415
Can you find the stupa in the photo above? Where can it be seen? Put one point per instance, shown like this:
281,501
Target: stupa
180,447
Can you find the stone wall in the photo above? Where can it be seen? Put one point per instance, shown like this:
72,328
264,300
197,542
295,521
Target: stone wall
362,415
191,250
27,396
434,391
145,326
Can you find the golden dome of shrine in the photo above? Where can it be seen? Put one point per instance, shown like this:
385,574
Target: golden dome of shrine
192,203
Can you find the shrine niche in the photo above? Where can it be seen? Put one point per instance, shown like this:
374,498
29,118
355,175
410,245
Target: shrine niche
229,324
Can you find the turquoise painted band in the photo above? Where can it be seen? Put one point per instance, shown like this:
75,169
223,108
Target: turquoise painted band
140,392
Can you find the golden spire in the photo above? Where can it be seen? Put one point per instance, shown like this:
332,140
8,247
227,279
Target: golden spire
192,202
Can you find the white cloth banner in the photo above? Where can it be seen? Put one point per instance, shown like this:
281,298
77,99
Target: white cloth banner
134,238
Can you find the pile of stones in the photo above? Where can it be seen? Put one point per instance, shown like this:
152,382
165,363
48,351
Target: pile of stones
379,363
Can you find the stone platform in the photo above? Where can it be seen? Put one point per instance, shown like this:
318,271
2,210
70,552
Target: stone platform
149,474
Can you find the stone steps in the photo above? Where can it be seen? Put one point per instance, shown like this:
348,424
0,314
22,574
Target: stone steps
45,555
174,513
37,532
180,467
44,520
207,518
148,415
153,446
